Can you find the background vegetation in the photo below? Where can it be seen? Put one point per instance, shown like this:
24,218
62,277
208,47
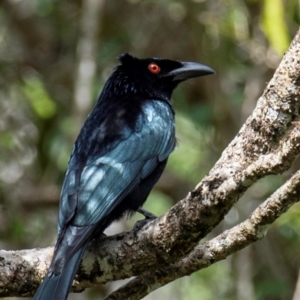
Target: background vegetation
54,59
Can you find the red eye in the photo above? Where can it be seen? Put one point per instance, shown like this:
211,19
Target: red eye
154,68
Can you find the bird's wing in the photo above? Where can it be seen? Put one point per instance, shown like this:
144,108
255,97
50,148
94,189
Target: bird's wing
91,191
94,187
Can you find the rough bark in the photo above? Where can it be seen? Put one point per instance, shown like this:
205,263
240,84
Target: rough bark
252,229
164,249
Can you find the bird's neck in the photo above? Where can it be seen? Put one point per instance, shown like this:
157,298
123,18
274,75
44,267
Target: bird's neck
120,85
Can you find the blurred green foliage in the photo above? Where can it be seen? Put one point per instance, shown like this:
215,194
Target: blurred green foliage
41,53
274,25
40,100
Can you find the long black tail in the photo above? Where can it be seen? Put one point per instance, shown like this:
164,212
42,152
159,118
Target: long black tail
57,286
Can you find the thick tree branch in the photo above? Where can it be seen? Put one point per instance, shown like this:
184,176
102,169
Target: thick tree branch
268,143
218,248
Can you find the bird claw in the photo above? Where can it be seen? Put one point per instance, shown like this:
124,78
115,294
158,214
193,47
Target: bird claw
140,224
148,217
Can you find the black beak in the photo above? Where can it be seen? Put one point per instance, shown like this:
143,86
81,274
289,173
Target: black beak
190,70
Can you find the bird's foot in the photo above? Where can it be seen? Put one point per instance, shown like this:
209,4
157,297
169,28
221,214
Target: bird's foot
140,224
148,218
148,215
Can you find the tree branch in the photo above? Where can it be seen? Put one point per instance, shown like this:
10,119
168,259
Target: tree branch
218,248
268,143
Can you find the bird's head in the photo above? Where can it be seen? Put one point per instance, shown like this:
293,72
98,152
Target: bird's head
153,77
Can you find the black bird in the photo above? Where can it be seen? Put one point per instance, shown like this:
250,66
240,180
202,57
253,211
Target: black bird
120,153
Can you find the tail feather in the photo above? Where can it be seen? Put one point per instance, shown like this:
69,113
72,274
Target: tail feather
56,287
